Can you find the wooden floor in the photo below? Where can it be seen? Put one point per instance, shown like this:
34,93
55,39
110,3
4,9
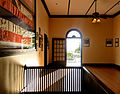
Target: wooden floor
108,75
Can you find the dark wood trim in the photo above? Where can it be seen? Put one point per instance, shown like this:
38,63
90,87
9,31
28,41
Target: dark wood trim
101,84
112,7
75,16
51,92
102,65
52,51
45,50
106,16
46,8
71,16
35,25
90,7
99,64
65,51
79,16
82,80
116,14
117,66
50,67
74,30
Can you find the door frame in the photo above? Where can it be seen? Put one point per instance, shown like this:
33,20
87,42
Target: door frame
45,49
74,38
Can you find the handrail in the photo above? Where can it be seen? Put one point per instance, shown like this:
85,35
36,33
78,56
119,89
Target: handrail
50,67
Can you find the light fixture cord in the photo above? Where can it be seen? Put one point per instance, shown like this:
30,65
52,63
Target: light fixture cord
95,6
68,7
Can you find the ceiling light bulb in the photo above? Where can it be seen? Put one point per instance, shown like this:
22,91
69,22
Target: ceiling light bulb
94,20
98,20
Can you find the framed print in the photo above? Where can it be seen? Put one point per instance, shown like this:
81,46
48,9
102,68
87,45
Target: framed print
17,26
41,42
86,43
39,31
40,39
116,42
37,36
109,42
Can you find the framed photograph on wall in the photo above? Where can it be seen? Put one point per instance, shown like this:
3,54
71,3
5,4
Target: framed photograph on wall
116,42
109,42
47,43
40,39
39,31
86,42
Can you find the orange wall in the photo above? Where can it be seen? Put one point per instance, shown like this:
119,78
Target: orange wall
97,33
43,23
116,33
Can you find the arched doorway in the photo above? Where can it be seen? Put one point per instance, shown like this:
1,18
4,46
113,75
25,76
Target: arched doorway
73,48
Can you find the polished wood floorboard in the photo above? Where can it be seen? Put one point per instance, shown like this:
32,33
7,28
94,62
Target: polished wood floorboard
108,75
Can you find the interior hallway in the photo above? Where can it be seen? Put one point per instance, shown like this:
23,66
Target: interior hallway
33,35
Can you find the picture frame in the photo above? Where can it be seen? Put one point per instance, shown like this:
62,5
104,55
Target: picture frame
109,42
41,42
39,31
40,39
37,36
86,42
116,42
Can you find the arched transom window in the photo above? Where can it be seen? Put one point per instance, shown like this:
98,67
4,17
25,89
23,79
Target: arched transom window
73,34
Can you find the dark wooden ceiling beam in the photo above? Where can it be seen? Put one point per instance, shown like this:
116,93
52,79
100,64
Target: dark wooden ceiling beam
79,16
90,7
112,7
116,14
76,16
46,8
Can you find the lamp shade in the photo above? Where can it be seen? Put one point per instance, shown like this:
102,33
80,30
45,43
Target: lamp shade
94,20
98,20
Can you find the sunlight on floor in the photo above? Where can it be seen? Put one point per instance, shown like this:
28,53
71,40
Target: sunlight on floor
73,64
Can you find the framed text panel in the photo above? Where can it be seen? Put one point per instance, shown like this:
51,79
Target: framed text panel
17,25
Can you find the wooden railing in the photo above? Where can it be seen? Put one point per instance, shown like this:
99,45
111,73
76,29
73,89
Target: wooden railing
52,79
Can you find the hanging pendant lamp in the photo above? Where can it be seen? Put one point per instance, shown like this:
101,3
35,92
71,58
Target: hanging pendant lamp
96,16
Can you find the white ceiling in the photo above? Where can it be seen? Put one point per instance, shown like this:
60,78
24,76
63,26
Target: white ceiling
80,7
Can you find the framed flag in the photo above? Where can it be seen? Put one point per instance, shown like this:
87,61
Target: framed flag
17,26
